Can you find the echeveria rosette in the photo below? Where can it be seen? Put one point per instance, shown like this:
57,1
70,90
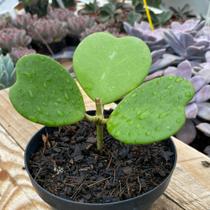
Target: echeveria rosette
45,93
152,112
108,67
192,26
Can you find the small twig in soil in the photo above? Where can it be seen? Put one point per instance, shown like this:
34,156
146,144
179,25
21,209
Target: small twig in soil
97,182
45,139
109,163
139,184
77,191
37,173
128,187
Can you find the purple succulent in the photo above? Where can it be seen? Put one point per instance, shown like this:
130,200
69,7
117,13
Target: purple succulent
186,46
192,26
154,39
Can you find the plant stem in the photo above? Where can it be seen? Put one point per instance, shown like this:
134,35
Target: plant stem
99,125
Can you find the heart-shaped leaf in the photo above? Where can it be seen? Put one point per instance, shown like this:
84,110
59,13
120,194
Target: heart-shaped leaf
108,67
45,92
152,112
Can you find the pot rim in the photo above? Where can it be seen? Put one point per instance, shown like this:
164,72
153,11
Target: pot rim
97,204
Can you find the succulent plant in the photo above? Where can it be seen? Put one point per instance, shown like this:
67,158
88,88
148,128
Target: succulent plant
48,30
38,7
149,113
154,39
59,14
186,46
24,21
192,26
17,53
13,37
102,27
7,71
78,24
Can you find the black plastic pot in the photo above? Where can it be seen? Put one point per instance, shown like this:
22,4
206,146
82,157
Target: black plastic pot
142,202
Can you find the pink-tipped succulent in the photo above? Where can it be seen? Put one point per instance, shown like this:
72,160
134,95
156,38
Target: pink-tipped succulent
78,24
102,27
48,30
25,21
17,53
13,37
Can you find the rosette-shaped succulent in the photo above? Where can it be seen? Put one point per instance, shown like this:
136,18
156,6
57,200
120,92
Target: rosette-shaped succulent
192,26
78,24
7,71
48,30
13,37
154,39
19,52
186,46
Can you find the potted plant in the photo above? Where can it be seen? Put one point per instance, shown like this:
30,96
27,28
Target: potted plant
123,164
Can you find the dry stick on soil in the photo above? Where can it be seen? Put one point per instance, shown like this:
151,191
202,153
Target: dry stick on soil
97,182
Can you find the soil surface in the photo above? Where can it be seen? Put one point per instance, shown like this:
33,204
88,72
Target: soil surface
69,165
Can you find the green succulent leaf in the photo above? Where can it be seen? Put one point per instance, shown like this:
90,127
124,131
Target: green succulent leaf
45,92
152,112
108,67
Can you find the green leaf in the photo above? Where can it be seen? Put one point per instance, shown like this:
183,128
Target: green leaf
45,92
152,112
108,67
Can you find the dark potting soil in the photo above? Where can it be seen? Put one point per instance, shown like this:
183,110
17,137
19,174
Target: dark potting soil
70,166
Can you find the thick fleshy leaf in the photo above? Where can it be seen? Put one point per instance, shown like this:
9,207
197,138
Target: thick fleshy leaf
108,67
204,111
198,82
191,111
154,75
165,61
207,150
187,133
205,73
45,92
152,112
157,54
203,94
183,70
205,128
174,42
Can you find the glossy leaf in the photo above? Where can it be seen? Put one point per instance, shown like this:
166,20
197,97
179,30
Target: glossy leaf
203,94
45,92
191,111
204,111
152,112
108,67
205,128
198,82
